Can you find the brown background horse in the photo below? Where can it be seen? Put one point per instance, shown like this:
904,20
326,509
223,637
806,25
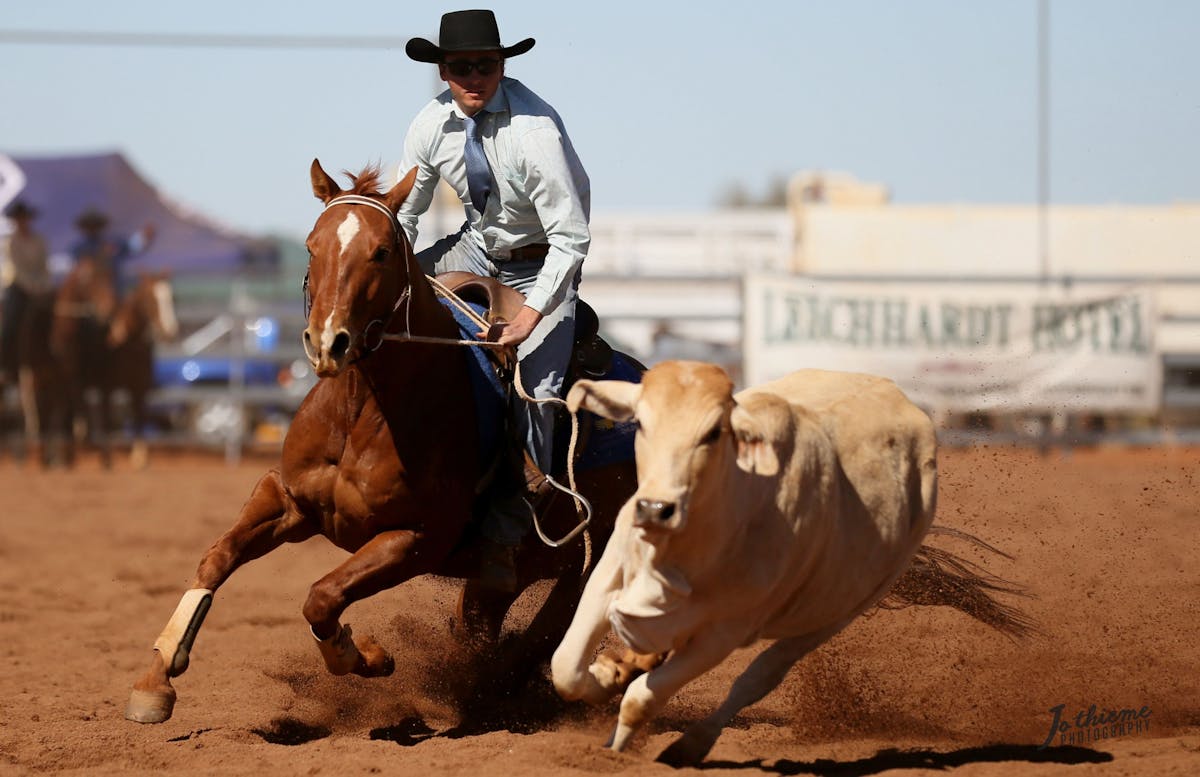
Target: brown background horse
81,347
380,459
145,316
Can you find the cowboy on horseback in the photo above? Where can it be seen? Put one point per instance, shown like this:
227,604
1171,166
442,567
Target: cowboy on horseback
527,200
110,252
26,279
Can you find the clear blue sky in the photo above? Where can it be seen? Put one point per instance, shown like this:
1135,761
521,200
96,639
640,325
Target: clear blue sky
668,103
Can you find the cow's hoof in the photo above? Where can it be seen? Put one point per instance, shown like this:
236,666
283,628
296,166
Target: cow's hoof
606,676
150,706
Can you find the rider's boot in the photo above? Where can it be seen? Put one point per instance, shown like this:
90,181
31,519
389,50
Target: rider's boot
498,567
509,519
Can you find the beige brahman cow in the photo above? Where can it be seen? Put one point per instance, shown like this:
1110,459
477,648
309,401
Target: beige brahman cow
781,513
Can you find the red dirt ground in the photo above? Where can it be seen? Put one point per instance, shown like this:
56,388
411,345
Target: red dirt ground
92,564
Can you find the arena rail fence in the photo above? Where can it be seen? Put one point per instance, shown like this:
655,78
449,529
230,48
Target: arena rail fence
249,373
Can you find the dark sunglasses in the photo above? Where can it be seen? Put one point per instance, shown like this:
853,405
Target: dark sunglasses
463,67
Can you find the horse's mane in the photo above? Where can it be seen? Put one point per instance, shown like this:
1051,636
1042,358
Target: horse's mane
366,181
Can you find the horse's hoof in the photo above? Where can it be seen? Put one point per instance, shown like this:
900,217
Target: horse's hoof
150,706
373,660
382,668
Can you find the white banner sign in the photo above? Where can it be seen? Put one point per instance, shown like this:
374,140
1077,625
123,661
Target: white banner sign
964,347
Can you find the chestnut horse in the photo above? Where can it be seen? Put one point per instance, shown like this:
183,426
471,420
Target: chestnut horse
88,340
146,315
381,460
62,348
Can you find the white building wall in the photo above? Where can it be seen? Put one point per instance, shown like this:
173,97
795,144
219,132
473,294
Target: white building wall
680,272
677,276
722,242
991,241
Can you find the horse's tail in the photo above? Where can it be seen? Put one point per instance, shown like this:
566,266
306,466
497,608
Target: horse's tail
939,577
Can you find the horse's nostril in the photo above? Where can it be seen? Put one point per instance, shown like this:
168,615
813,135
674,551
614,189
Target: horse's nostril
341,344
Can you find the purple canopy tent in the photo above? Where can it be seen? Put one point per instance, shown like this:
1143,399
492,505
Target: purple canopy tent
186,243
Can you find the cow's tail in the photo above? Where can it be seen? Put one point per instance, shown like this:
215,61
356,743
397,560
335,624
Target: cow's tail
939,577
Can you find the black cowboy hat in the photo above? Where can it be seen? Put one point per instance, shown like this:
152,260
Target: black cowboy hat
465,31
91,219
21,210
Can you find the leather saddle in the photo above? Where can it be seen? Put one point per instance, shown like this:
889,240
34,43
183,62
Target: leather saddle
591,356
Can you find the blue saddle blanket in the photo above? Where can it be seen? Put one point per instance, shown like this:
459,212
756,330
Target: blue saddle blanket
485,386
607,442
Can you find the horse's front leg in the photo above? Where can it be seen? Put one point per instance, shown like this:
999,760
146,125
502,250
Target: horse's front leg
104,424
72,410
268,519
139,455
384,562
35,414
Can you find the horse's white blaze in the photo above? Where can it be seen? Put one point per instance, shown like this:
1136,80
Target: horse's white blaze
327,334
348,229
166,309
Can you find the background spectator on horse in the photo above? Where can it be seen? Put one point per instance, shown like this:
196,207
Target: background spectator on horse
527,202
26,277
109,251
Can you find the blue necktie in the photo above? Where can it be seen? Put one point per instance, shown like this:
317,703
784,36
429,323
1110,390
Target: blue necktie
479,175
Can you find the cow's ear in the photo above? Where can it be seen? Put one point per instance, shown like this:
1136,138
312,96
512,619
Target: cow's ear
611,399
755,453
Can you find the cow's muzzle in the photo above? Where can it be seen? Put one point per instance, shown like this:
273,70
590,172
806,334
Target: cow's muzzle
653,513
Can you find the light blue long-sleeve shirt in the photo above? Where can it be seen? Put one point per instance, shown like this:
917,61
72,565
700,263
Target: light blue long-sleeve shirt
544,195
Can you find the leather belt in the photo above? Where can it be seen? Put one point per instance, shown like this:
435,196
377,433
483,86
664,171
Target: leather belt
529,253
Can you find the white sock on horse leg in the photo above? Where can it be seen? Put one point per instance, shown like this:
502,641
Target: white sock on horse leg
175,643
339,651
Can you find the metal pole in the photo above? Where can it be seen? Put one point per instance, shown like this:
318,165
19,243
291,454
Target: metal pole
235,435
1043,163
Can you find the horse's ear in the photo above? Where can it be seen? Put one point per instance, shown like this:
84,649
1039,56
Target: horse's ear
324,187
399,193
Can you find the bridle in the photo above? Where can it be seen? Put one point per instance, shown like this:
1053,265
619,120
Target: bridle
363,340
381,325
358,199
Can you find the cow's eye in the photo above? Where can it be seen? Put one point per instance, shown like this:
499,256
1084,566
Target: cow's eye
711,436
